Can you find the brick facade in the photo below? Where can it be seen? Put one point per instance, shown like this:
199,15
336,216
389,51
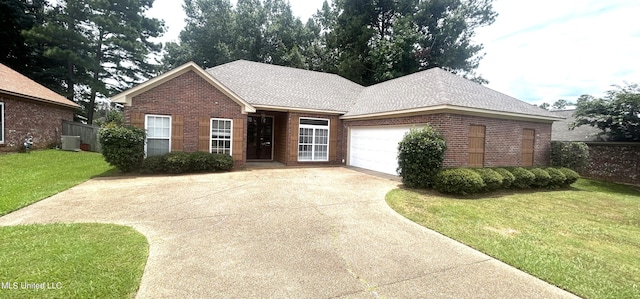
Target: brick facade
503,139
616,162
24,116
192,97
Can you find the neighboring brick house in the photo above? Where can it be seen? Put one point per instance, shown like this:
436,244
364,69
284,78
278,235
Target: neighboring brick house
27,107
262,112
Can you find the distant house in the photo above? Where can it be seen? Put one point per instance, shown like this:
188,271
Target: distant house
27,107
260,112
561,132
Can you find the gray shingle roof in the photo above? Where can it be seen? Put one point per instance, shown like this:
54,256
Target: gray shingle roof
272,85
560,129
435,87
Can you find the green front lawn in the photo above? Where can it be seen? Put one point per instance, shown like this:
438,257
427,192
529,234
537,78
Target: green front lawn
27,178
71,261
585,239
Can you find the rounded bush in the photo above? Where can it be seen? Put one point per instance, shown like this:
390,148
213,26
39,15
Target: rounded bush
557,177
177,162
491,179
571,176
122,147
153,164
420,157
523,178
458,181
542,178
507,177
573,155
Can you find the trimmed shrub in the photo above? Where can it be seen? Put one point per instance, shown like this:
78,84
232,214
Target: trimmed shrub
523,177
122,147
557,177
420,157
507,177
571,176
202,161
222,162
458,181
574,155
154,164
177,162
491,179
542,177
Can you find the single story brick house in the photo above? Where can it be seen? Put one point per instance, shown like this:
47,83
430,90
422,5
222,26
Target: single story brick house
27,107
262,112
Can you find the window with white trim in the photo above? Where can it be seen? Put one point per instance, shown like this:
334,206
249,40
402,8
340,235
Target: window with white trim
1,123
221,136
313,139
158,135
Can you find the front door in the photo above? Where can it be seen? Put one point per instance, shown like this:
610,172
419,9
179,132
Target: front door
259,137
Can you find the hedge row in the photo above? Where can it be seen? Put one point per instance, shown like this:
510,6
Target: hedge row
475,180
181,162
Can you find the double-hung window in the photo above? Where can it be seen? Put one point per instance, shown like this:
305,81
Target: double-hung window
158,135
313,139
221,136
1,123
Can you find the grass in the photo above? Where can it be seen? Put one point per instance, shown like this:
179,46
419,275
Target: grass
585,240
71,261
67,260
27,178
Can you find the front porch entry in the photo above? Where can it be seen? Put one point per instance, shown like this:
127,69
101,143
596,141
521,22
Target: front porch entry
260,138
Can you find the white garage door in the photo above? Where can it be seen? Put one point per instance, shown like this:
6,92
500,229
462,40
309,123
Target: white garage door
376,148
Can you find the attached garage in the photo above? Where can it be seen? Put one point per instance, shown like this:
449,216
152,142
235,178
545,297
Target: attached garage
376,148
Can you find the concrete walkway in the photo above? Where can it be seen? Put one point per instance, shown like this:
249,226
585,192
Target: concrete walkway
283,233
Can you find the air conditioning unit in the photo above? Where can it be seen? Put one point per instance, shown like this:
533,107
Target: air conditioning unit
70,143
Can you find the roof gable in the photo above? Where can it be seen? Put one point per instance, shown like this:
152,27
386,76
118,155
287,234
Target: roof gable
14,83
439,89
271,86
127,96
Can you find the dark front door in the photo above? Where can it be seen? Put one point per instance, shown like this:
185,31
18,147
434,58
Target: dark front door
259,137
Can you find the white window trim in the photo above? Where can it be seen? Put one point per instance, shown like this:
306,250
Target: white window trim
2,123
146,122
313,145
211,135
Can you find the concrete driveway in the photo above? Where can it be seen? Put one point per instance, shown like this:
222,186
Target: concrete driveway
284,233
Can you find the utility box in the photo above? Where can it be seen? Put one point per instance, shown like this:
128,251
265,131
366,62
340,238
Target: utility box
70,143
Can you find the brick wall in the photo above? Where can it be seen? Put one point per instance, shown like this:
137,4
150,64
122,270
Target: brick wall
335,142
192,97
614,162
503,139
23,116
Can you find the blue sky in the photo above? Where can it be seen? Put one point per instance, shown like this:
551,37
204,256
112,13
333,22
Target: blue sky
536,51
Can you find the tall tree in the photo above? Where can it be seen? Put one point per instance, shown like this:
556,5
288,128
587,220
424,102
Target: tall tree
617,114
103,46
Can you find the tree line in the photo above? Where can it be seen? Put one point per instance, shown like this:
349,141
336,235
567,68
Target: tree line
91,49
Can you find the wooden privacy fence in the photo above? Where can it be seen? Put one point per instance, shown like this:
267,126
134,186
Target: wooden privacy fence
88,134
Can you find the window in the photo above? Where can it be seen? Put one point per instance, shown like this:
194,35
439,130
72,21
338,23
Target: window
528,145
158,135
1,123
221,136
476,146
313,140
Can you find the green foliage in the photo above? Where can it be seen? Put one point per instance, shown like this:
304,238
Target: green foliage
523,178
123,147
458,181
570,175
558,178
617,114
181,162
112,117
420,156
492,179
507,177
574,155
96,47
542,177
